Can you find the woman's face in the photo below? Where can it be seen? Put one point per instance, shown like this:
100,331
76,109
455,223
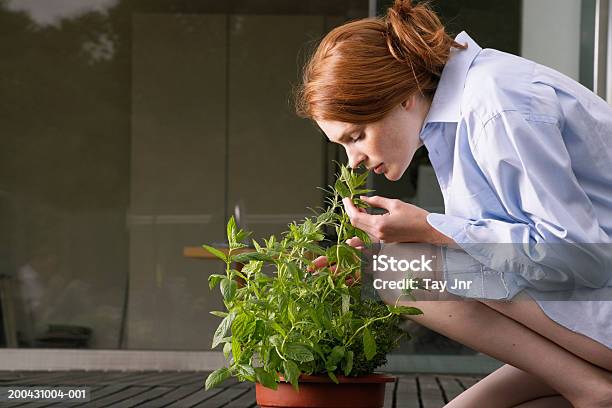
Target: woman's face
387,146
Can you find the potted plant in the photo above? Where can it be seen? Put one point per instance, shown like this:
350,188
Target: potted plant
306,339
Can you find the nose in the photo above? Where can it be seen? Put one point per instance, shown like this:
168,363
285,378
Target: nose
355,158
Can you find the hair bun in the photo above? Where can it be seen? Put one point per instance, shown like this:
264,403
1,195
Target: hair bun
402,7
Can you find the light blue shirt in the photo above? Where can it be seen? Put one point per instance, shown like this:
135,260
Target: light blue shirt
523,155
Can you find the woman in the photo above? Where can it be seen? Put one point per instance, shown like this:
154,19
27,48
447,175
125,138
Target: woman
523,155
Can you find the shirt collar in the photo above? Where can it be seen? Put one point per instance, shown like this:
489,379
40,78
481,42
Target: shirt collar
446,103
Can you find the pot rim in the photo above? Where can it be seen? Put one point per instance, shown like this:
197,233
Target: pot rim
373,378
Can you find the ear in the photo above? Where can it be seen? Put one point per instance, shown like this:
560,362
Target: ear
409,103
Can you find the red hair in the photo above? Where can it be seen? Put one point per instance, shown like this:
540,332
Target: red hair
363,69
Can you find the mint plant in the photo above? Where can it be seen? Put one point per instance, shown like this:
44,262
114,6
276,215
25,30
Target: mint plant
289,322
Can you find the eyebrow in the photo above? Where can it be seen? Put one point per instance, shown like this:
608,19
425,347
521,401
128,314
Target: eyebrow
347,133
344,136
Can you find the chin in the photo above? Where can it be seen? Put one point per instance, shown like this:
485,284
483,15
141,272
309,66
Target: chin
392,177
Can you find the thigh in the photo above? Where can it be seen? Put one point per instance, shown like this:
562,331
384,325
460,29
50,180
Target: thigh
505,387
527,312
556,401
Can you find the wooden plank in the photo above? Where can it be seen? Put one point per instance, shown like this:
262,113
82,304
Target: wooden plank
113,399
91,378
451,387
468,381
104,392
142,398
72,379
10,376
406,394
109,377
223,398
246,400
175,395
196,398
389,393
191,379
41,378
429,392
138,377
196,378
128,378
172,378
200,378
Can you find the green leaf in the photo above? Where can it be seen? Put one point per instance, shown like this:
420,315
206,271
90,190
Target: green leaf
222,330
278,328
292,373
330,281
361,179
242,326
336,355
214,279
215,252
293,269
259,331
298,352
265,378
348,365
228,289
345,174
369,345
342,189
333,377
407,310
324,315
241,235
232,229
363,236
315,249
247,371
218,314
227,349
236,349
246,257
217,377
362,191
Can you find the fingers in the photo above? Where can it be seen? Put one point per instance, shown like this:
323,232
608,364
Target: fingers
320,262
361,220
353,280
356,243
379,202
317,263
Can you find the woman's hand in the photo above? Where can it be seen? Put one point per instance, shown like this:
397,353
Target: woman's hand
402,223
322,261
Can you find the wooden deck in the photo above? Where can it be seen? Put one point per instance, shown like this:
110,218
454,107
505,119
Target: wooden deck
185,389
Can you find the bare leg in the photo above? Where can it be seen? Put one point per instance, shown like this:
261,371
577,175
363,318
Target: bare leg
527,312
507,338
484,329
505,387
547,402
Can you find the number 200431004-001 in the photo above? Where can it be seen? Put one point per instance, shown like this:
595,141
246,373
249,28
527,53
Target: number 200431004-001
44,394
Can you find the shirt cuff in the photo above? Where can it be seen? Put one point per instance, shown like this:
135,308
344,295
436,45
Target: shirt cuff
449,225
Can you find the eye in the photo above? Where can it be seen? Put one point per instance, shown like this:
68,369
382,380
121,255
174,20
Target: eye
359,137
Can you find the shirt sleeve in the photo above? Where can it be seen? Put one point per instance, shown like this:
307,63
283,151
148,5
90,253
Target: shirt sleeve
551,237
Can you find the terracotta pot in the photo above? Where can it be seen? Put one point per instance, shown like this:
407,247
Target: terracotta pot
318,391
